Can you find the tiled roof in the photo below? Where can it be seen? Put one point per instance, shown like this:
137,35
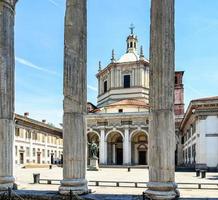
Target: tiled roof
206,99
129,102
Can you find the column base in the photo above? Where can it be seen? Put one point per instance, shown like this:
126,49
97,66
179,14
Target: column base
76,186
161,190
6,182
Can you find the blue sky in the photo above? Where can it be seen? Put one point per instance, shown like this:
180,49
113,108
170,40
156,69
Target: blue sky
39,48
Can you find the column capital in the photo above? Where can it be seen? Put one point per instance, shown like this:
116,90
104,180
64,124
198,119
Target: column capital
102,128
9,3
126,127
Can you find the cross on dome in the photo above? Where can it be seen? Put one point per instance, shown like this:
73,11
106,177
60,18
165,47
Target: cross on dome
132,27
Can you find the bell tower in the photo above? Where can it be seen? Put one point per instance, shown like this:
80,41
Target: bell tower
132,41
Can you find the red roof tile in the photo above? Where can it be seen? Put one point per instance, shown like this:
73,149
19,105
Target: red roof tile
206,98
132,102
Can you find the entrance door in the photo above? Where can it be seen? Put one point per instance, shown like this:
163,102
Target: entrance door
119,156
61,159
142,158
21,158
39,158
52,158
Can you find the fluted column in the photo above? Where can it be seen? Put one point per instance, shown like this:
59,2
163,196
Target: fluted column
102,147
7,126
75,97
162,123
126,147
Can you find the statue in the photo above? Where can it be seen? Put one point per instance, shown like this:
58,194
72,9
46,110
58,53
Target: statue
94,150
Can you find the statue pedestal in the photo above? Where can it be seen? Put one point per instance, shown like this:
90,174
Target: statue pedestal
93,164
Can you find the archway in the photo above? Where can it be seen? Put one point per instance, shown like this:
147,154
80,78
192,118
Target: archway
92,137
114,148
139,148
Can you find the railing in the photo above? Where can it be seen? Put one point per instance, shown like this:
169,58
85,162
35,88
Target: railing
10,195
14,195
130,184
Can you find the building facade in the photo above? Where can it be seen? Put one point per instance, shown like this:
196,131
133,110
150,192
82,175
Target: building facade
119,124
200,133
37,142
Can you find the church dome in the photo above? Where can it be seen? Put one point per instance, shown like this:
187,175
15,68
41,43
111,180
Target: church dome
129,57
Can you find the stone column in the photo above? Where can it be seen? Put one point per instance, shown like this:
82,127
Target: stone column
102,147
105,152
114,154
75,91
162,123
126,147
112,78
7,126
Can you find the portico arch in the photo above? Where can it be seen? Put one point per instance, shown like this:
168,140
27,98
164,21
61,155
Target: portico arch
106,137
93,133
137,131
114,148
139,147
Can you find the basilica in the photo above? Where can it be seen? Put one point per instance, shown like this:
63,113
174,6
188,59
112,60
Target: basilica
119,123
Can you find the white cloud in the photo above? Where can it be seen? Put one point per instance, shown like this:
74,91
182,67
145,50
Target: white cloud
53,2
31,65
194,90
92,88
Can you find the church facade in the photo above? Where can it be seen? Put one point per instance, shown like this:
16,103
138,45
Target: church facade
119,123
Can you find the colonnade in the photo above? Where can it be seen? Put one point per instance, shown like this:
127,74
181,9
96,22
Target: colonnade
161,171
129,151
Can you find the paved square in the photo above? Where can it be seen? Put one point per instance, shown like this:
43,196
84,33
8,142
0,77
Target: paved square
24,179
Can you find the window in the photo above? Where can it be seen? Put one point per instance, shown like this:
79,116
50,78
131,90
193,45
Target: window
28,135
126,81
43,153
105,86
48,153
189,154
34,152
17,132
130,44
43,138
27,151
34,136
38,136
193,128
49,139
16,150
21,133
194,152
120,110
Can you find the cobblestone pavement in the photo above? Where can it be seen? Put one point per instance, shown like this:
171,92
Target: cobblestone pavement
24,179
